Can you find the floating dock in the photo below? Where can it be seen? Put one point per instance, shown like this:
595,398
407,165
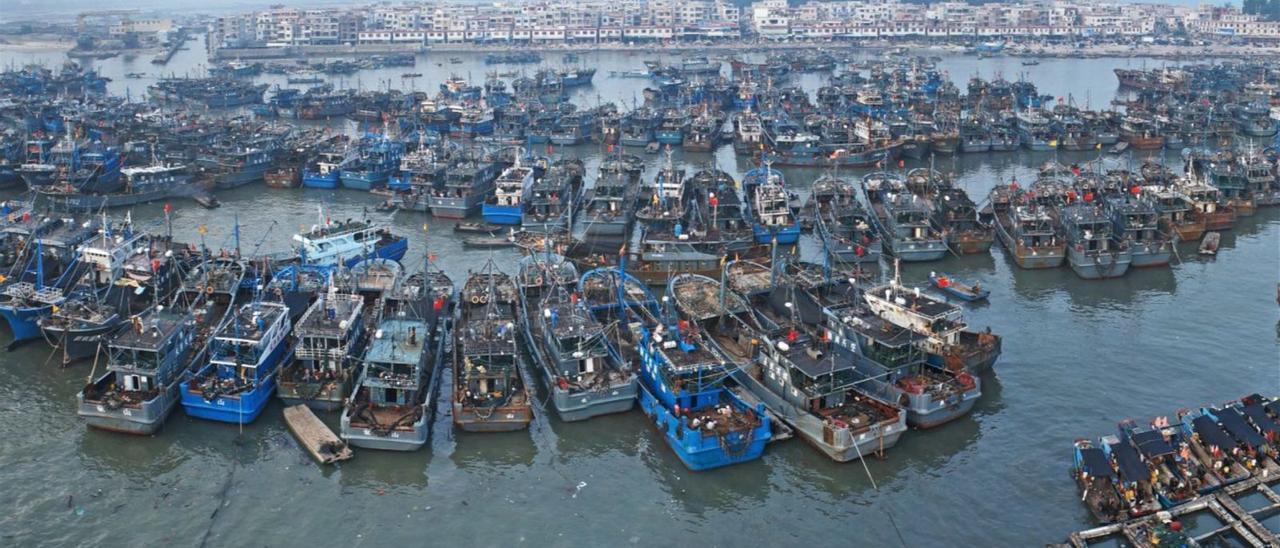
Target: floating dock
1238,524
314,436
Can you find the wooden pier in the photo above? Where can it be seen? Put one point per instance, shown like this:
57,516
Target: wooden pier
314,436
1222,504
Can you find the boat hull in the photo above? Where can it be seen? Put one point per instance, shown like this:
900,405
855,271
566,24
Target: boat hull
876,439
82,343
23,321
695,451
499,419
316,395
310,180
1099,267
143,420
411,439
239,410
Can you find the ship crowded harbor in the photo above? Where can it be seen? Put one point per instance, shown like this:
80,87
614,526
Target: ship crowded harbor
759,245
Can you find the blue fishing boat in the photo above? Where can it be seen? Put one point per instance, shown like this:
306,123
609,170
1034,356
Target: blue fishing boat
957,288
240,377
321,171
682,380
49,270
505,206
376,158
770,207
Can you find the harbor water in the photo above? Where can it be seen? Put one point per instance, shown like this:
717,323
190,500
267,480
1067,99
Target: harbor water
1079,356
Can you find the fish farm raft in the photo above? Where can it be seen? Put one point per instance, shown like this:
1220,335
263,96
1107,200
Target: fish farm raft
754,247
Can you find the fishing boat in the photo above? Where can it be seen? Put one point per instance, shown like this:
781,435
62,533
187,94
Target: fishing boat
787,362
490,393
842,222
99,302
963,228
770,207
393,404
957,288
583,372
551,201
682,380
348,242
1026,230
1094,251
233,168
323,169
145,366
505,206
1137,221
466,186
376,157
946,339
1174,476
1141,133
48,268
1177,218
244,356
609,205
902,219
894,369
1035,130
1208,204
326,337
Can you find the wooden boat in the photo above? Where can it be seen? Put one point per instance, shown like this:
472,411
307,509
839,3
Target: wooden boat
314,436
957,288
472,227
486,242
1209,245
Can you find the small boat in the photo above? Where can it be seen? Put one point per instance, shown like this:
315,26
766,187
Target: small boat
1031,62
411,75
206,200
487,242
1120,147
957,288
470,227
1209,245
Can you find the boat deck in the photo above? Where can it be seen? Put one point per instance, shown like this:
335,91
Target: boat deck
149,332
401,342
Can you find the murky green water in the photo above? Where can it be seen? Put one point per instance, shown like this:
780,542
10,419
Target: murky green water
1079,357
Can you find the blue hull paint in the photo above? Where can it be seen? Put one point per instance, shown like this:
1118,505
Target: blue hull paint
314,180
244,409
22,321
696,451
786,236
393,251
501,215
362,181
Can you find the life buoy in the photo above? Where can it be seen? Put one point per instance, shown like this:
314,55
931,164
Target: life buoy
475,299
537,280
208,290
